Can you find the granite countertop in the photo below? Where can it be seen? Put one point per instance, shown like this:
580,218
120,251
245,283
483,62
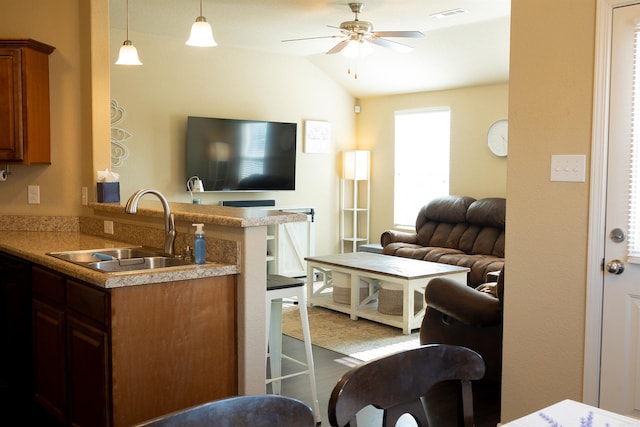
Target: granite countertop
211,214
34,245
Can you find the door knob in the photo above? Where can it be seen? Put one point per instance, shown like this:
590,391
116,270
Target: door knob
615,266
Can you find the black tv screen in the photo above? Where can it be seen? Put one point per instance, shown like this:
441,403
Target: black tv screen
241,155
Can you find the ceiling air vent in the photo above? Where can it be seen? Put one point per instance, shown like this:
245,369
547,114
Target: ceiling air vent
448,13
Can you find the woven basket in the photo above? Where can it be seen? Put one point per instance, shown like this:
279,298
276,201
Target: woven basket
390,302
342,288
343,295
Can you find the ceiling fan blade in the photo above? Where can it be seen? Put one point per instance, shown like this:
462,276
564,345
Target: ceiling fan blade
337,48
411,34
398,47
310,38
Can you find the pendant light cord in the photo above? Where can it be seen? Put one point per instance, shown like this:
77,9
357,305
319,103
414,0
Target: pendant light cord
127,18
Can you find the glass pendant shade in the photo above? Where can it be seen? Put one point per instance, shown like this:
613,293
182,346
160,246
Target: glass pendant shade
201,34
128,54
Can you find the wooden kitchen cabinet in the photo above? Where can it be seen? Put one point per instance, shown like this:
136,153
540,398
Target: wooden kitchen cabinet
87,335
24,102
88,376
49,342
15,336
49,359
116,357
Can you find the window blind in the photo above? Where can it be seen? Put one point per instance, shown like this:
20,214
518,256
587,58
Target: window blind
634,179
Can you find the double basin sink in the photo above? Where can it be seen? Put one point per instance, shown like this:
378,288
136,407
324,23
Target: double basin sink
113,260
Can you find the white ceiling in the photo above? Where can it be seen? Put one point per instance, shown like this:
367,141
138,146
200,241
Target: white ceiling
463,50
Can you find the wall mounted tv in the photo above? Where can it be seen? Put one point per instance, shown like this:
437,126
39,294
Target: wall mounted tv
241,155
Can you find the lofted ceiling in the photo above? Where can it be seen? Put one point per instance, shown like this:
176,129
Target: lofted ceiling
465,49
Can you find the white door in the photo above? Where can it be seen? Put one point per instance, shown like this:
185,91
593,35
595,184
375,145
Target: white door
620,357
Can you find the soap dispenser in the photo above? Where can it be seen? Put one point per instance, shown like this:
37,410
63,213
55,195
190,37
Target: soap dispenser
199,244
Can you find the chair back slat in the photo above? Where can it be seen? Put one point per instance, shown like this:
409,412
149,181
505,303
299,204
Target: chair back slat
397,383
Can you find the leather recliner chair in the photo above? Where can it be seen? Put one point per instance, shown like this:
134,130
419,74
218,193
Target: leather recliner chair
461,315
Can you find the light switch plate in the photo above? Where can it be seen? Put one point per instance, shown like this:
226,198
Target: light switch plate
568,167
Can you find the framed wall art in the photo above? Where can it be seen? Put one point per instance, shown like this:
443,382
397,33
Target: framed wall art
317,136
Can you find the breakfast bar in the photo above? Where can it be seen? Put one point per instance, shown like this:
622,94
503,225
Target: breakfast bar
137,326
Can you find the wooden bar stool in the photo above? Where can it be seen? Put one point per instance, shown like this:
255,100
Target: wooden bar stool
279,287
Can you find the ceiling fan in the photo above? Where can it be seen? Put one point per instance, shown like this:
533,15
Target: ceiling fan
356,34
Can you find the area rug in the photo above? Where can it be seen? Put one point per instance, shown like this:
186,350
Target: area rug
361,339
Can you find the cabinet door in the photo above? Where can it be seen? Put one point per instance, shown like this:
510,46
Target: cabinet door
88,374
49,359
15,335
295,241
10,101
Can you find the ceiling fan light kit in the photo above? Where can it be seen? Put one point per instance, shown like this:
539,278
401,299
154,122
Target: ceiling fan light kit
201,32
357,49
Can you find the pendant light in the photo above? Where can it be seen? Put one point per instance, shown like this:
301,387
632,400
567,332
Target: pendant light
128,52
201,33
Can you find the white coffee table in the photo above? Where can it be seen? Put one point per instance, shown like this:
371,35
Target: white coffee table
397,273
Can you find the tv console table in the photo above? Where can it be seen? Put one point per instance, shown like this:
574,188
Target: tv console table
397,273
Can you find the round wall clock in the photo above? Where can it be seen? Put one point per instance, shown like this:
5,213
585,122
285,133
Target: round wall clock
497,138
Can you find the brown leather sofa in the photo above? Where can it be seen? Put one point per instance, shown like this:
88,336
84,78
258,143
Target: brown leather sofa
455,230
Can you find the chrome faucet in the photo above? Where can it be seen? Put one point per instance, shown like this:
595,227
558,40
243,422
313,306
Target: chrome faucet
169,218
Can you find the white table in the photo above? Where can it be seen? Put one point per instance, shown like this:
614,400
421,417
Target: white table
569,413
403,274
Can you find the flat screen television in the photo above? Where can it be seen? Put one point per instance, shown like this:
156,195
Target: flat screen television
241,155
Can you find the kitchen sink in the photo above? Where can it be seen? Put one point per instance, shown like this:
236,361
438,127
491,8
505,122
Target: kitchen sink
120,259
133,264
92,255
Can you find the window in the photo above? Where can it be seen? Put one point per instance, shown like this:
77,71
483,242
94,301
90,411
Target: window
634,179
422,140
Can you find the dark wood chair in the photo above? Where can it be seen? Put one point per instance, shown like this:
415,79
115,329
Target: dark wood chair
241,411
398,383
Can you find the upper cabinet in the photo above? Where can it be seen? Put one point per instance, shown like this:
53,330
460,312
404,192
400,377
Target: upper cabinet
24,102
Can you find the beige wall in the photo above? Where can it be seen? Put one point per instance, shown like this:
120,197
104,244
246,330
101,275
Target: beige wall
550,96
474,170
55,23
230,83
550,106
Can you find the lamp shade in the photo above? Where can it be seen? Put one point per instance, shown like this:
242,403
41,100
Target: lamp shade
128,54
201,34
355,165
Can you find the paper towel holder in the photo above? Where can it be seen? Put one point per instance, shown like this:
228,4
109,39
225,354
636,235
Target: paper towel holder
4,173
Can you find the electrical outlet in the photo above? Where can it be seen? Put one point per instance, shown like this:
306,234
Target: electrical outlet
108,227
34,194
85,196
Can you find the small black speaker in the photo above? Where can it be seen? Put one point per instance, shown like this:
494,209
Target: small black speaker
247,203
